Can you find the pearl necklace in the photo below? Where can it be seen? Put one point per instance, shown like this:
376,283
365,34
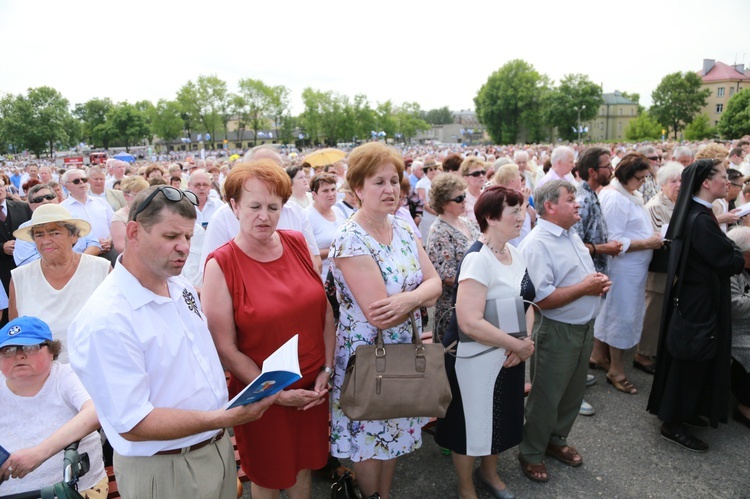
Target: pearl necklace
501,252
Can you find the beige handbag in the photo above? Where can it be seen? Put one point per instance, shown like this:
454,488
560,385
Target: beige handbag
396,380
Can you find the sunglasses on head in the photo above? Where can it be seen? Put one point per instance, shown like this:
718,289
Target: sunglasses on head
171,193
459,199
77,181
48,197
478,173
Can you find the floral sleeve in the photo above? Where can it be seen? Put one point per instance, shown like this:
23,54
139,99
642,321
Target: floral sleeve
442,250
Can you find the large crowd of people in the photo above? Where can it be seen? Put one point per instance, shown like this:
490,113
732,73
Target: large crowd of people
139,298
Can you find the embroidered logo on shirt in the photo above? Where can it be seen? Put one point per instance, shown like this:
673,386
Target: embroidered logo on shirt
190,301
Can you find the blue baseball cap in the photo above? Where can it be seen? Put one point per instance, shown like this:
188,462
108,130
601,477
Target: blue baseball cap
25,330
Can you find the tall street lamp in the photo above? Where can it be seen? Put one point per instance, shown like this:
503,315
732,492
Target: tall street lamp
579,120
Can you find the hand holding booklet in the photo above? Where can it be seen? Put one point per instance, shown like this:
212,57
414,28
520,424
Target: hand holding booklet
280,370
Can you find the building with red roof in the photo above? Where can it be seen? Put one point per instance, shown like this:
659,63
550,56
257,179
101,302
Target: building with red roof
724,81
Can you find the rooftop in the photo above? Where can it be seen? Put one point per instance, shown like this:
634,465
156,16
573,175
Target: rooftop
616,98
718,71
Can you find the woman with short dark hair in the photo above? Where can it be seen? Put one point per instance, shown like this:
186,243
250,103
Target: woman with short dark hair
485,416
620,322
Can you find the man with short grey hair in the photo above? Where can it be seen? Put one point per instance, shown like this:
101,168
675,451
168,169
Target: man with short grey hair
682,155
569,292
563,162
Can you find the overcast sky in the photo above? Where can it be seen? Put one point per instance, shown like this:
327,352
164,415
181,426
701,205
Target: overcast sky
434,53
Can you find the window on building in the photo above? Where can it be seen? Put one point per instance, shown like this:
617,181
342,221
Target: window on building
619,128
731,91
601,125
619,111
632,111
716,123
719,108
720,92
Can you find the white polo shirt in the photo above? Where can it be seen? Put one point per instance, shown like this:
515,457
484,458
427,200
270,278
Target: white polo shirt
211,206
134,350
557,258
96,211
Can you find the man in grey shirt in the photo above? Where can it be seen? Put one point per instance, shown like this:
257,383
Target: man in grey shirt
569,292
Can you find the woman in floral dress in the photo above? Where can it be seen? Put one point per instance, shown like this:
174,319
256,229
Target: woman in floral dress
382,276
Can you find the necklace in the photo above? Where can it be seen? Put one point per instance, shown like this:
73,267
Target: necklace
388,237
500,252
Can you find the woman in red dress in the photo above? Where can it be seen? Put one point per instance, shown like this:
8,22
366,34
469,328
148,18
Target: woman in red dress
260,289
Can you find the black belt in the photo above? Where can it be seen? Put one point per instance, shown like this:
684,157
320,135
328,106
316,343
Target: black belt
199,445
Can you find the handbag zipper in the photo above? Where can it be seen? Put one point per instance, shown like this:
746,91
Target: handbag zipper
379,379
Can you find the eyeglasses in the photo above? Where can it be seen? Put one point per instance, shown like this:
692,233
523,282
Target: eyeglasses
608,166
201,186
77,181
736,185
48,197
476,174
654,158
640,179
12,351
171,193
459,199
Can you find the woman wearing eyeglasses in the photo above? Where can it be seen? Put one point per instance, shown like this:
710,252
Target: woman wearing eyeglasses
44,409
55,287
450,236
472,169
620,322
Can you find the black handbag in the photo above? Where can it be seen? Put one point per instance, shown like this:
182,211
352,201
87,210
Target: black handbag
690,340
343,487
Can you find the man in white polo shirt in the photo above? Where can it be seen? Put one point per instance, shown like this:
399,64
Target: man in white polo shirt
143,352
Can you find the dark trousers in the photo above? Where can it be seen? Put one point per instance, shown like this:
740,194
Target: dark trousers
740,382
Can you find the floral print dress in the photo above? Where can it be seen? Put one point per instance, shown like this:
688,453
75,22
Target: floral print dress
446,248
401,271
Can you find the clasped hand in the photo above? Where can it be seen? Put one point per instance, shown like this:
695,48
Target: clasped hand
305,399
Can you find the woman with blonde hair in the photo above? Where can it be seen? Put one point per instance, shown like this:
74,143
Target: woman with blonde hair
474,171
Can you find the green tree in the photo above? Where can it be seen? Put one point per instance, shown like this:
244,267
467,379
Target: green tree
634,97
409,119
279,106
127,124
166,122
205,101
510,98
735,120
385,119
677,99
439,116
256,97
363,117
311,119
37,121
644,127
700,128
575,92
91,114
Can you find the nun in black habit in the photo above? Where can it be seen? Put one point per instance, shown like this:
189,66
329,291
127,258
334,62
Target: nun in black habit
686,391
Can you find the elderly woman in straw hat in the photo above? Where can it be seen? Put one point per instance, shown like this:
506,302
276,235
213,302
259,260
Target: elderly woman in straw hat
55,287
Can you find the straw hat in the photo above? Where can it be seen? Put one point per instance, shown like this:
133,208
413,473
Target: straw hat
50,213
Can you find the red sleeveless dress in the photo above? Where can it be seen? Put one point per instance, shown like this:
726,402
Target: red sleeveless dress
273,301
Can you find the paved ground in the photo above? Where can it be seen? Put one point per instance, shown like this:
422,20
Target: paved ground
624,455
